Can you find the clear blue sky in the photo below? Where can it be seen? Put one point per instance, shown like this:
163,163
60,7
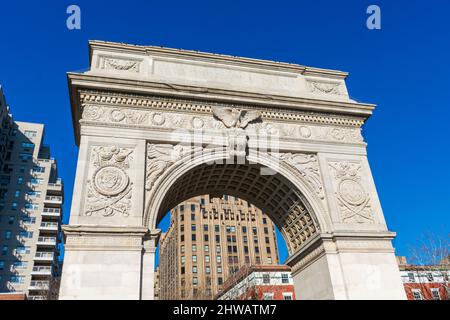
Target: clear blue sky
404,68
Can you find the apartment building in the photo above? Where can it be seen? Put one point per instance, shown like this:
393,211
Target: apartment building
272,282
210,239
31,199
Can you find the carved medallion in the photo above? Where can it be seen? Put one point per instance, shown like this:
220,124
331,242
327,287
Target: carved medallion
352,192
110,180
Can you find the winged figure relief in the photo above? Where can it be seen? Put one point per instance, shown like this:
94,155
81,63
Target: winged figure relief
159,158
236,118
236,121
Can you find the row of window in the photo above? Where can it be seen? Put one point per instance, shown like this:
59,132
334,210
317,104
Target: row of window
22,234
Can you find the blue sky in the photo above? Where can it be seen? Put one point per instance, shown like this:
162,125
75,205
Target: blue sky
404,68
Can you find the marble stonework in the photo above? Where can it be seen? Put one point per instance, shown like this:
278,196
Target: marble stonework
156,126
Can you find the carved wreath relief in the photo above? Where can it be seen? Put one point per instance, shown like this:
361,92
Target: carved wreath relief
353,200
109,187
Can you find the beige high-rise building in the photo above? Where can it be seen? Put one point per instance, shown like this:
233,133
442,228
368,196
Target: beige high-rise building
208,240
31,198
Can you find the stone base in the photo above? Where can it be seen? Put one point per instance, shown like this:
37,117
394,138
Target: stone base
347,267
102,263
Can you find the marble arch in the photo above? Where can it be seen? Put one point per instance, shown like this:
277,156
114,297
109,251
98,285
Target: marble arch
132,111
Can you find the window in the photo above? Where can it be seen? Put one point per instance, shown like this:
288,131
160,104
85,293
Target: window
30,134
205,227
194,280
417,294
37,169
245,239
287,296
219,259
2,265
430,277
182,238
266,278
216,228
435,294
219,269
183,270
206,237
411,277
35,194
244,229
218,249
207,259
246,249
192,207
183,259
193,217
220,281
14,206
284,278
27,145
182,249
17,194
16,279
36,181
264,221
256,249
193,227
217,238
20,264
20,180
182,207
255,230
182,228
268,296
25,156
194,258
206,248
11,219
268,250
194,269
23,250
194,248
26,234
208,269
194,237
8,235
31,206
182,217
4,250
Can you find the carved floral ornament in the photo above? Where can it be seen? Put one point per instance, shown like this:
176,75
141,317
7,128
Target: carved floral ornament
354,202
109,186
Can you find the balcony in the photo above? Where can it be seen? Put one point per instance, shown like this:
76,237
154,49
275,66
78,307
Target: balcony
51,212
49,226
53,199
46,241
55,186
39,285
37,297
41,271
44,256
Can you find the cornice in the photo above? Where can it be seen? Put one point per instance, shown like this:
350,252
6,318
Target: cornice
213,57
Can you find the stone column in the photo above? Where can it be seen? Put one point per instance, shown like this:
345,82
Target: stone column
353,266
148,265
102,262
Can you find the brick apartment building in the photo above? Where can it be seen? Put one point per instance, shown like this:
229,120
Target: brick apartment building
259,282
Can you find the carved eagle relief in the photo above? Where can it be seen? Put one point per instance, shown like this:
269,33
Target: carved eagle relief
235,118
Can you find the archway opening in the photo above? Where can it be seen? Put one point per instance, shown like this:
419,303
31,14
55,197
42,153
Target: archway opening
278,200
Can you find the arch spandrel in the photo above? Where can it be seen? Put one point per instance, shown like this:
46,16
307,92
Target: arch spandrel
285,196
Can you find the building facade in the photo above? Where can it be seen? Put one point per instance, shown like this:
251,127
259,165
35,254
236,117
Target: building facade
208,241
264,282
31,198
425,282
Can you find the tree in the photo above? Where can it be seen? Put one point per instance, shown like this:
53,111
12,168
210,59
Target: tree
432,256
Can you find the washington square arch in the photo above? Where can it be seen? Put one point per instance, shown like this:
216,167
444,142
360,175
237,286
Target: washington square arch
156,126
